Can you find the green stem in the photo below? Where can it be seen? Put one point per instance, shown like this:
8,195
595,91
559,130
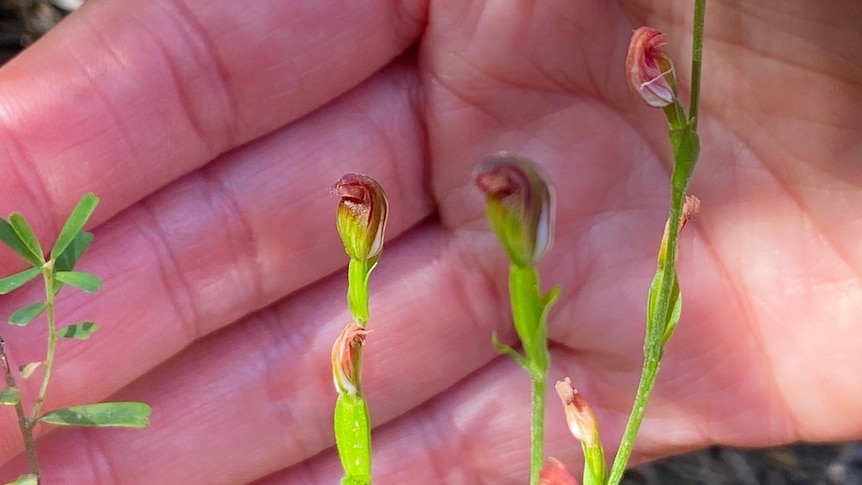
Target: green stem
357,290
48,276
696,59
23,425
686,148
528,313
353,438
537,429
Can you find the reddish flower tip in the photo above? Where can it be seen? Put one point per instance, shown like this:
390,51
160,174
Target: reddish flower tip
361,216
649,71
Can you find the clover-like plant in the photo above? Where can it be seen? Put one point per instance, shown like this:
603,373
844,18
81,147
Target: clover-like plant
361,223
57,269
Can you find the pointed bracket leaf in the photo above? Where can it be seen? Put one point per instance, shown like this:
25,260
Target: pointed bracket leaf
102,415
83,281
507,350
27,314
80,331
79,216
18,280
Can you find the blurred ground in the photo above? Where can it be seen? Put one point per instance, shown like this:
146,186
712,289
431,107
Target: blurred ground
801,464
22,22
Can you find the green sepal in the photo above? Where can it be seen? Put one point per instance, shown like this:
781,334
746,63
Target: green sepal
27,314
10,396
101,415
82,211
18,280
80,331
353,437
83,281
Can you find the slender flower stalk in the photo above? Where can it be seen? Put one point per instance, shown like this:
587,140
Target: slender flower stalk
361,222
650,74
519,207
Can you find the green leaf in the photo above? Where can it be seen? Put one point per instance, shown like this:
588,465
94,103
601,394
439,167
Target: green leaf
82,211
27,236
11,239
29,368
102,415
675,310
81,331
10,396
69,258
28,479
18,280
83,281
25,315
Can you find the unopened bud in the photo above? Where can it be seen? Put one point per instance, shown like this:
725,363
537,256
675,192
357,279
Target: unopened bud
555,473
347,359
519,205
361,218
649,71
579,415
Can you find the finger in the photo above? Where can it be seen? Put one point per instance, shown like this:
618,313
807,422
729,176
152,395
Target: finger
227,240
135,94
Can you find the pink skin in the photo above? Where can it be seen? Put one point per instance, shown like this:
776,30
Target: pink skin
212,130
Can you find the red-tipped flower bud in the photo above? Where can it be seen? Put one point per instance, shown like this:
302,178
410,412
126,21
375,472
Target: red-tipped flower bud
649,71
519,205
555,473
361,218
347,359
579,415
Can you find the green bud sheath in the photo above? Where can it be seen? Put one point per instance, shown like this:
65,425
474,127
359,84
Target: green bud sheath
353,438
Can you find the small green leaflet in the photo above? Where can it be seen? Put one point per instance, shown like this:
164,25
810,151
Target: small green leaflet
80,331
18,280
105,414
83,281
74,223
10,396
27,314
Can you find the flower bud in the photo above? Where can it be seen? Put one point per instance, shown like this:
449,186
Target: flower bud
361,218
579,415
347,359
555,473
519,205
649,71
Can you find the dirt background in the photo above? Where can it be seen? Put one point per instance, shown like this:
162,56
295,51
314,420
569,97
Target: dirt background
22,22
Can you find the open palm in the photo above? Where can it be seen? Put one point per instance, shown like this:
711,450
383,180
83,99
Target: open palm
212,130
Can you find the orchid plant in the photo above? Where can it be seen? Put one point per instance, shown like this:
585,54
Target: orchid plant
361,223
519,209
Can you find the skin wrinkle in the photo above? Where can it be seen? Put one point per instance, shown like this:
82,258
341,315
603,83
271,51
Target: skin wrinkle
220,139
177,288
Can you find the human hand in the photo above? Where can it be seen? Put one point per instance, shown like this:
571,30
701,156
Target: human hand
212,131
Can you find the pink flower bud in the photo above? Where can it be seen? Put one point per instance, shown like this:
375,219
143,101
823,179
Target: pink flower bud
361,218
579,415
555,473
649,71
518,204
347,359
